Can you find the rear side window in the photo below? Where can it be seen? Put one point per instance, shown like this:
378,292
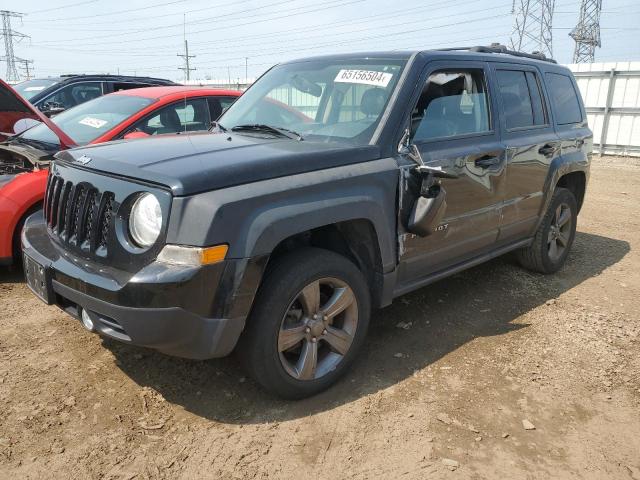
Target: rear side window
564,99
521,99
128,85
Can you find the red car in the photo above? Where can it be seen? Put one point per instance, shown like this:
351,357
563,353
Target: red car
126,114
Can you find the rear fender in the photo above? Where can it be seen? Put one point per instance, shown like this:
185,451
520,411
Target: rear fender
560,166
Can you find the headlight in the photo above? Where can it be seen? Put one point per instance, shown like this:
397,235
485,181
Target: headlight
145,220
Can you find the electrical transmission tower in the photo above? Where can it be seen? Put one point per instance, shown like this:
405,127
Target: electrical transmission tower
587,32
9,34
532,26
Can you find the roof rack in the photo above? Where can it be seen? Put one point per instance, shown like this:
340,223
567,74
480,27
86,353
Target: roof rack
499,48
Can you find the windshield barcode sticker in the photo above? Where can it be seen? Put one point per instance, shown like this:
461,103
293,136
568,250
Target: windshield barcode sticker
93,122
367,77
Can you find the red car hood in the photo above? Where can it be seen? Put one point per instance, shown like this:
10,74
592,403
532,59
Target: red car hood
13,108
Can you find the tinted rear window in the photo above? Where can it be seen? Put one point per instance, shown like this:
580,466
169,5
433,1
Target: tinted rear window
564,99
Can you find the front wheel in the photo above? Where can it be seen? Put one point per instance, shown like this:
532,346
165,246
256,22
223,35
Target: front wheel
309,320
554,237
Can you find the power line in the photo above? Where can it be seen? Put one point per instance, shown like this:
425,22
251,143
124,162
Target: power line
325,25
146,18
9,34
258,40
69,5
587,32
213,19
153,5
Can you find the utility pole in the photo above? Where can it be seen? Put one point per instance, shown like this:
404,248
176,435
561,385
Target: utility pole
532,23
25,67
9,34
587,32
186,69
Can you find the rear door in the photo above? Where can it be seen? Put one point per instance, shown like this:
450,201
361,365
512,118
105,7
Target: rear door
453,127
531,145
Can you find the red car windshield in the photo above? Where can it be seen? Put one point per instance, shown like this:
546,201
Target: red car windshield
89,120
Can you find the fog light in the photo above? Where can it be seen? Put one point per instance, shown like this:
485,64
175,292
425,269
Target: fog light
86,321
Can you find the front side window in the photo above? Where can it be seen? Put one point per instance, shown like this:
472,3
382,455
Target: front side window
322,100
72,95
90,120
185,116
452,103
564,99
219,105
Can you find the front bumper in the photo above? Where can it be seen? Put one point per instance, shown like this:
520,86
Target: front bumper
164,307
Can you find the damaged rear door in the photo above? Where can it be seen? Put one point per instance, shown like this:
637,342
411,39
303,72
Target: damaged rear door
452,129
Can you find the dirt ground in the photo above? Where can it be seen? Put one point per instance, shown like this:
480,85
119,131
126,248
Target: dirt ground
481,355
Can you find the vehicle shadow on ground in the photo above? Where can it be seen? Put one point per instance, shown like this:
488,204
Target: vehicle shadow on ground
11,274
480,302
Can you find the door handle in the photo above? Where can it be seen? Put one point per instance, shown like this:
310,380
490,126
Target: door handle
547,150
486,161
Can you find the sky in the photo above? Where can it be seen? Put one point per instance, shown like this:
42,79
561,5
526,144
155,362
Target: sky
144,37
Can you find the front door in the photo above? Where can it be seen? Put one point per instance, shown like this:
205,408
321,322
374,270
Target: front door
453,127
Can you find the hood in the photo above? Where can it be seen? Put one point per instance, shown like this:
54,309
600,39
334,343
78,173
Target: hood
189,164
13,108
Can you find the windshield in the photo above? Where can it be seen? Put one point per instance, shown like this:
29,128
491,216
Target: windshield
32,87
89,120
321,100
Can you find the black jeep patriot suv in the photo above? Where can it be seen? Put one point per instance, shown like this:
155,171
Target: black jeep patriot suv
332,186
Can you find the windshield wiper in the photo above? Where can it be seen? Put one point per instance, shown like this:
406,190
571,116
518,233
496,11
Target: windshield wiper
285,132
35,143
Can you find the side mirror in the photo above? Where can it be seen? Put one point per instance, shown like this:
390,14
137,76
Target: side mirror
135,134
52,108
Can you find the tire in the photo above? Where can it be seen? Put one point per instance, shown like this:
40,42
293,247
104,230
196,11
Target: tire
541,256
281,329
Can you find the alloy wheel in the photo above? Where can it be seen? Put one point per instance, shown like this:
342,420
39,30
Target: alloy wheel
318,329
559,232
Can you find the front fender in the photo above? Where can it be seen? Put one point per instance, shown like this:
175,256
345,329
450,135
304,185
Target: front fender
252,219
17,198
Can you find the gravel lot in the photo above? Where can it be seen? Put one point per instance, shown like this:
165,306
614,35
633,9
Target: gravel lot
493,373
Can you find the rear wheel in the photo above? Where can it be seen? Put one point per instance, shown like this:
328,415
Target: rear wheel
555,235
309,320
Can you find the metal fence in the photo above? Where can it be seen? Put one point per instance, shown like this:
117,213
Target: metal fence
611,93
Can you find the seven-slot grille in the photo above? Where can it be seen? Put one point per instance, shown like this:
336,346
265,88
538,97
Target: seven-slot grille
79,214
